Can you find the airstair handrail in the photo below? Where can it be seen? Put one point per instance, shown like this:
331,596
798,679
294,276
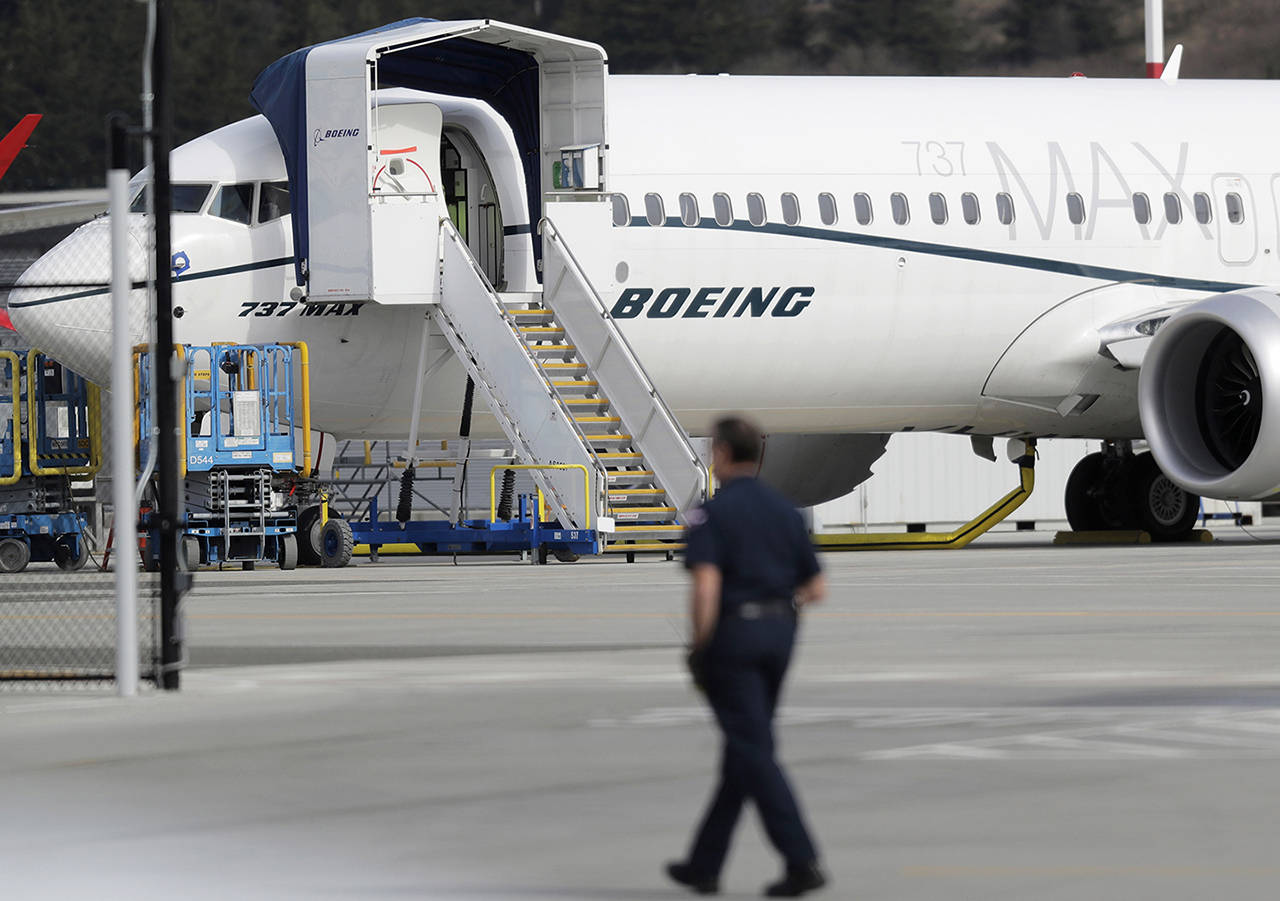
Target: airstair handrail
471,360
618,339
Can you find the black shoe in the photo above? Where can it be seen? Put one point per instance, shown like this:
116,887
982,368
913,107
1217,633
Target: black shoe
685,875
797,881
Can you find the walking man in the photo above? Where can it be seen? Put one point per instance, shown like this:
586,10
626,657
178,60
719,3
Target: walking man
753,569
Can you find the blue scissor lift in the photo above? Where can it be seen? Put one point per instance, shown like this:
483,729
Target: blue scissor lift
50,435
242,406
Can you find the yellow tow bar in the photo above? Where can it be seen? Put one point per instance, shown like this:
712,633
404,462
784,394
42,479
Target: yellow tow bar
966,533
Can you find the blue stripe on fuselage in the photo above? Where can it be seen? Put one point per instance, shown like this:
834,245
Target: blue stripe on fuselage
994,257
106,289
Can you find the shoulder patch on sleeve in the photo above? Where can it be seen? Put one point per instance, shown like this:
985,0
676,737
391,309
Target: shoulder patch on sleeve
696,517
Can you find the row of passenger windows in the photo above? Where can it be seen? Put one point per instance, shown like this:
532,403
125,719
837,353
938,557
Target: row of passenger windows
235,203
900,209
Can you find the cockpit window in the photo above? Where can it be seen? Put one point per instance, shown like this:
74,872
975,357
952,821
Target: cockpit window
184,199
234,203
274,201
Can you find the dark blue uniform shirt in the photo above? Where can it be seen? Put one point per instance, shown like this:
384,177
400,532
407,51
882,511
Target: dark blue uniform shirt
756,539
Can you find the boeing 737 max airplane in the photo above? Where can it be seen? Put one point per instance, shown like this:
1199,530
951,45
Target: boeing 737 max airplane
836,257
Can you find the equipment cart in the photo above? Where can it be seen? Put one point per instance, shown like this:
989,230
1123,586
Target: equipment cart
50,435
245,448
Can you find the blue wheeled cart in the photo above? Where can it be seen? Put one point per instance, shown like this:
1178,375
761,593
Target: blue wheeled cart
520,527
245,411
50,434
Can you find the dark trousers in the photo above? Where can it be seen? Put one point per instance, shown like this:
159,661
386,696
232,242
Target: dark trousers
746,662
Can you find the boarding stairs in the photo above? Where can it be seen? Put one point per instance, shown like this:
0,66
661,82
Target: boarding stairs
568,391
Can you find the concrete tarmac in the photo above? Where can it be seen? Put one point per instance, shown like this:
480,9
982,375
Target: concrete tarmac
1009,721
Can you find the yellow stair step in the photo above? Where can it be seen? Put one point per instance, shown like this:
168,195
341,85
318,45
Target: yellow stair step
624,455
541,330
597,419
673,528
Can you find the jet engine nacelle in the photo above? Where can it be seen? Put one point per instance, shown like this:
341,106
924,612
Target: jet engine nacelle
812,469
1209,395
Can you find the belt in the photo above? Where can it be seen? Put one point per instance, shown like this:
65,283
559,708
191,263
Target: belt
758,609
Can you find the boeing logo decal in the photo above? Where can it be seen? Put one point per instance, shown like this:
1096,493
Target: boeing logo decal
324,134
716,303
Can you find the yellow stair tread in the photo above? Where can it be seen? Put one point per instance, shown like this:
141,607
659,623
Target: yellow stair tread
585,401
658,527
609,437
597,419
536,311
626,491
646,510
557,364
541,330
624,455
577,383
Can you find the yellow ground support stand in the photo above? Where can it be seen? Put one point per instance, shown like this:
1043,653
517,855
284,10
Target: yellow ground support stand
1199,536
962,536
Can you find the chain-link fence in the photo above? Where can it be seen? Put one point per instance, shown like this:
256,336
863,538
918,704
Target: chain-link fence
57,607
59,629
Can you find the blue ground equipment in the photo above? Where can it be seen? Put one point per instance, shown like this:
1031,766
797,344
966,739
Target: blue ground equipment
50,435
245,446
516,524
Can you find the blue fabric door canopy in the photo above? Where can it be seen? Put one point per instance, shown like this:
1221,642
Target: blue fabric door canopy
474,59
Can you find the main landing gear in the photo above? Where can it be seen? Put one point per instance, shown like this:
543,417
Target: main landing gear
1118,490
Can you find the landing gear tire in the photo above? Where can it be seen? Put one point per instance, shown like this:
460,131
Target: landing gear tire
336,543
65,553
1099,496
309,528
1168,512
14,555
287,552
1083,513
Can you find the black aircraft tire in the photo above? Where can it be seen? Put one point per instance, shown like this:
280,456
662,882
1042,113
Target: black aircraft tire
1168,512
336,543
14,555
1082,506
309,529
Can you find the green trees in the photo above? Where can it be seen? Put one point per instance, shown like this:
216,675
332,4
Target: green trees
76,61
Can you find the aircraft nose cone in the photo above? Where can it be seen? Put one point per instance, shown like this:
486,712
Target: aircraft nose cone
62,304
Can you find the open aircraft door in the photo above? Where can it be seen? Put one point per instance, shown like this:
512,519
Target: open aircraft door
356,235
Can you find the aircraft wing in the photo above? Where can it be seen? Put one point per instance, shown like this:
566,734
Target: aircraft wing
12,143
48,215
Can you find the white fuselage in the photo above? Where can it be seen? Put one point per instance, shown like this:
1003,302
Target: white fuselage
985,326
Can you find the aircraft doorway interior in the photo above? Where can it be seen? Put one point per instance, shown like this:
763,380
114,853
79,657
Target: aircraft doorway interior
471,198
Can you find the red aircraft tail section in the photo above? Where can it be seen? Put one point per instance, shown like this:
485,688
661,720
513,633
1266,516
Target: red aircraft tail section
12,143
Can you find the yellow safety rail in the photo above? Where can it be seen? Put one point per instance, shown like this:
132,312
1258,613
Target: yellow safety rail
493,486
962,536
95,429
304,368
15,367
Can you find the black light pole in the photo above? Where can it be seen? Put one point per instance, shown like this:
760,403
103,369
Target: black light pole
166,394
